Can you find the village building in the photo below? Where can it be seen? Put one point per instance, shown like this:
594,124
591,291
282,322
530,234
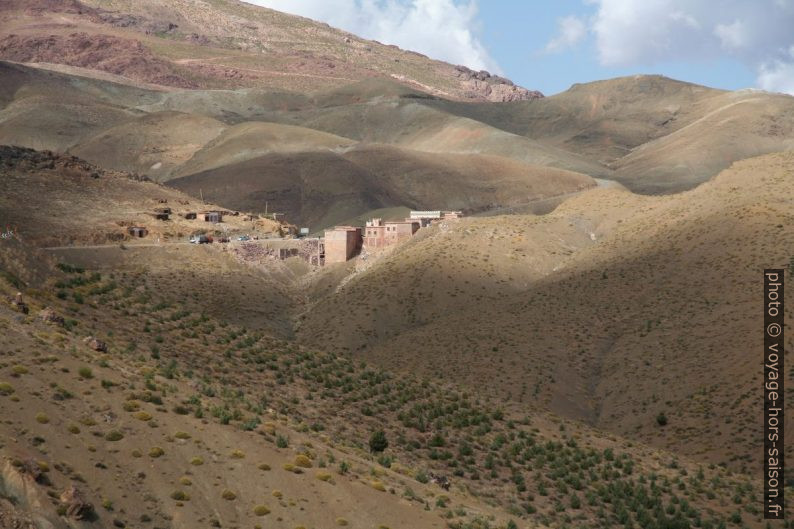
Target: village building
342,243
162,213
137,231
378,233
213,216
429,217
190,215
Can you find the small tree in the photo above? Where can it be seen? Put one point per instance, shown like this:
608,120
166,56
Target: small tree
661,419
378,441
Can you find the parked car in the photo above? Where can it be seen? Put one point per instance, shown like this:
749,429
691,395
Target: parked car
201,239
243,238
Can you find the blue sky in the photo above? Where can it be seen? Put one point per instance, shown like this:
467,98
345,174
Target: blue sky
549,45
518,43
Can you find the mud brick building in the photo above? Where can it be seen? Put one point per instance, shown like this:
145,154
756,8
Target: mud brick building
378,234
342,243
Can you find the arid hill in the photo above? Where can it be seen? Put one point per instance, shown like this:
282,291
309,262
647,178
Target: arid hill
658,135
151,385
297,155
228,44
594,366
613,309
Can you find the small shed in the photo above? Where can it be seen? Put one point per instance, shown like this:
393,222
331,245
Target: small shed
213,216
137,231
162,213
191,215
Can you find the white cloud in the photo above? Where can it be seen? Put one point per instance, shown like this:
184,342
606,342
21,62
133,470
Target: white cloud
570,31
732,36
758,33
441,29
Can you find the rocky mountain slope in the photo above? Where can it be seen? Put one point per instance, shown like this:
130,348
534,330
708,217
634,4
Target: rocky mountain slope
657,135
612,309
223,44
298,155
134,395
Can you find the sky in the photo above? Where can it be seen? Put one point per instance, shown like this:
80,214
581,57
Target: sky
550,45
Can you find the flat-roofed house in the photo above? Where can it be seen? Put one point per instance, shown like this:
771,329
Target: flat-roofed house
342,243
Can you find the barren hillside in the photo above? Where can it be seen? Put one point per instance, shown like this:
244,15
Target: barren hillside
223,44
659,135
612,309
250,149
133,395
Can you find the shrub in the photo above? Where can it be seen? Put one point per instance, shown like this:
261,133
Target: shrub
237,454
180,495
143,416
323,475
261,510
378,441
156,451
263,466
184,480
6,388
341,521
228,495
196,461
114,435
182,435
19,370
85,372
378,485
282,442
73,428
661,419
42,418
277,494
303,461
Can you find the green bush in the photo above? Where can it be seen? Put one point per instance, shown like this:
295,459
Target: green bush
378,441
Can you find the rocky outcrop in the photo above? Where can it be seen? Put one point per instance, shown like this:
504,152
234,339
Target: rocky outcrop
18,304
96,344
116,55
74,504
48,315
23,502
482,85
64,165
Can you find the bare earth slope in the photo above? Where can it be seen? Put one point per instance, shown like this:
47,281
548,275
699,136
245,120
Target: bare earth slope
223,44
320,188
612,309
658,134
216,140
153,383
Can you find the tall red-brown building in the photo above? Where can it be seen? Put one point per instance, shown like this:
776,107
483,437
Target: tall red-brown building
378,234
342,243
